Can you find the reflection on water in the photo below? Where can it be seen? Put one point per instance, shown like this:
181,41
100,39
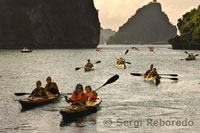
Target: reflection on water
129,98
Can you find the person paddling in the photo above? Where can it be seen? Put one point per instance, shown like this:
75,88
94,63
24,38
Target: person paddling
39,91
91,95
89,65
120,61
154,73
77,95
148,71
191,56
51,86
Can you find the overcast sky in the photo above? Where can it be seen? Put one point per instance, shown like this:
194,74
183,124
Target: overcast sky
114,13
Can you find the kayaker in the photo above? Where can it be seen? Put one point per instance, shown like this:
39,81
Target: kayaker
51,86
77,95
89,65
120,61
148,71
91,95
39,91
154,73
191,56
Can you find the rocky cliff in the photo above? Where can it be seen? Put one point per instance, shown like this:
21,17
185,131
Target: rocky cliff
149,24
189,27
48,24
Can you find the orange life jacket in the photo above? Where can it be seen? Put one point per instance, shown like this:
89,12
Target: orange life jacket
92,95
78,98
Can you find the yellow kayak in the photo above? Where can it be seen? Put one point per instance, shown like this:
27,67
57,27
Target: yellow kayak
120,65
152,80
73,112
85,69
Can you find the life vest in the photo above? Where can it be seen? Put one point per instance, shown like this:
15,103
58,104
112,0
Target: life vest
91,95
38,92
78,98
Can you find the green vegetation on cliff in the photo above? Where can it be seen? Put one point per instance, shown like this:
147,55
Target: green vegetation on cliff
189,27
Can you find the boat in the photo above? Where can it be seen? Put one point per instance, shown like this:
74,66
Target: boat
120,66
98,50
152,80
74,112
32,102
25,50
191,58
86,69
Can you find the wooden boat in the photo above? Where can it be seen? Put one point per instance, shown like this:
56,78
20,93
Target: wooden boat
31,102
152,80
120,66
74,112
25,50
86,69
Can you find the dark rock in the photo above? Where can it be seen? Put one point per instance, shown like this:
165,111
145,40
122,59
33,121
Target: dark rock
48,24
148,25
189,27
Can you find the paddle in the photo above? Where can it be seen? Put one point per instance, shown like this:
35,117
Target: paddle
197,55
140,74
126,52
21,94
94,63
186,52
169,78
90,108
128,63
109,81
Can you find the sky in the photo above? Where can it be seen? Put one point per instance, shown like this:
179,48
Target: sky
114,13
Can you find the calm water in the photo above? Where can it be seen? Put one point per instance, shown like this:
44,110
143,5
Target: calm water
128,99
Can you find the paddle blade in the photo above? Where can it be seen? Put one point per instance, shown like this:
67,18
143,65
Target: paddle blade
98,62
186,52
112,79
170,74
126,52
77,68
128,62
197,55
136,74
173,78
124,66
21,94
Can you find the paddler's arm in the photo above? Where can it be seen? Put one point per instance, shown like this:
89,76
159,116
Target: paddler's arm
68,100
56,87
45,93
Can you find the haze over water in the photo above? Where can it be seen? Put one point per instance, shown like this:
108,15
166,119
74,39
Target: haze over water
129,98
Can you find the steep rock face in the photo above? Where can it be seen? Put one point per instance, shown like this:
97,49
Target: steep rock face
148,25
105,34
189,27
48,24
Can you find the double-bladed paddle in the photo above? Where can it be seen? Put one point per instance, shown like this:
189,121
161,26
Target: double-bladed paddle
21,94
140,74
82,67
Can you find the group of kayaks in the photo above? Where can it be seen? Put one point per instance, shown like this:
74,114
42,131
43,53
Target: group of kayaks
72,112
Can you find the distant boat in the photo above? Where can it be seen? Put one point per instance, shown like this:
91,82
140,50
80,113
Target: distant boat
25,50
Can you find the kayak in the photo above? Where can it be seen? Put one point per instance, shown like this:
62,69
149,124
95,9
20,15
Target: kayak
120,65
152,80
189,59
31,102
74,112
85,69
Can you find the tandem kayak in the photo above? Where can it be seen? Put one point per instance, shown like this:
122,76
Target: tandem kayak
85,69
31,102
152,80
74,112
189,59
120,66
